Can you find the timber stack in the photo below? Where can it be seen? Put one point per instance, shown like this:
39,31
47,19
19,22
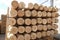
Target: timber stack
32,23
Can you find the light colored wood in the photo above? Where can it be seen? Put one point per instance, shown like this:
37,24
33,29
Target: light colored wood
49,27
13,37
49,9
36,6
34,28
39,20
20,37
28,13
39,14
27,36
14,30
54,9
33,36
12,21
34,13
20,13
39,27
45,8
28,29
52,32
48,33
21,29
44,14
43,34
41,7
13,13
55,31
38,35
33,21
27,21
21,5
54,26
49,14
44,28
20,21
14,4
30,5
44,21
54,20
49,20
55,14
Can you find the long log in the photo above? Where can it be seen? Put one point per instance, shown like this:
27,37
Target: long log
49,14
14,4
39,27
28,29
44,21
33,36
14,30
20,13
34,28
38,34
30,6
44,14
27,36
39,14
13,37
21,5
49,20
20,21
12,21
34,13
28,13
21,29
20,37
27,21
13,13
36,6
39,20
33,21
44,28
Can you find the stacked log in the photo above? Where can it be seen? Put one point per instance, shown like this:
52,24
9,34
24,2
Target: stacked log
34,22
0,26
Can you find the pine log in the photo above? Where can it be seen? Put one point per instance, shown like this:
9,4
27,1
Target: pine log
34,13
34,21
54,20
33,36
49,14
28,13
21,5
34,28
45,8
44,21
12,21
28,29
13,13
39,20
20,37
30,6
44,14
14,4
27,36
44,28
48,33
49,20
41,7
20,13
39,14
21,29
38,34
27,21
43,34
20,21
49,27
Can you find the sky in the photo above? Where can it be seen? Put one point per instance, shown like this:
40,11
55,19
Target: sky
4,4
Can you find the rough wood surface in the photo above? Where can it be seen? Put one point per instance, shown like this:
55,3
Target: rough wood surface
28,29
38,34
21,29
20,13
20,21
27,21
30,6
14,4
28,13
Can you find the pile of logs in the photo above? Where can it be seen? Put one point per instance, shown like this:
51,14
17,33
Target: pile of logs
32,23
0,26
